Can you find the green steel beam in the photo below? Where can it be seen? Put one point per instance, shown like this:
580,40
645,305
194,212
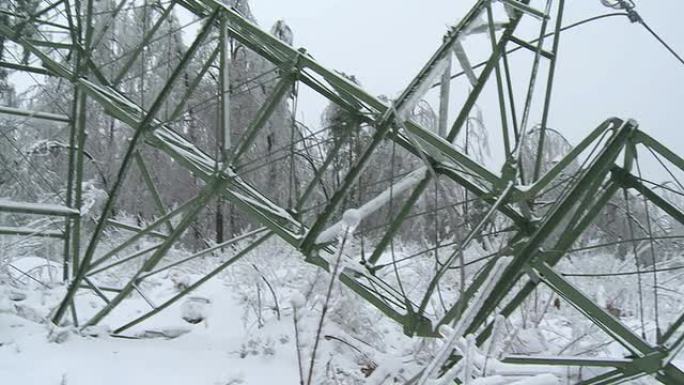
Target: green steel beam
193,86
445,150
135,229
319,174
69,201
138,235
133,56
50,44
78,139
199,163
650,359
630,181
225,140
384,124
444,50
524,224
37,209
31,232
524,7
144,125
554,254
522,43
568,361
205,252
447,160
461,247
284,52
199,204
611,124
673,328
527,107
499,84
308,244
549,88
98,35
93,271
151,187
36,20
597,170
34,114
612,377
396,223
456,310
25,68
482,79
647,140
610,325
33,17
264,114
195,285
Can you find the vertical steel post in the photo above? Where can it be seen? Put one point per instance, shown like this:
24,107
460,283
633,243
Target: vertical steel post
444,86
224,89
484,75
499,85
73,130
549,88
81,115
128,157
223,126
531,87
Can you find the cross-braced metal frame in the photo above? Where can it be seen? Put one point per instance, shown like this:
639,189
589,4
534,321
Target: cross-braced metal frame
539,240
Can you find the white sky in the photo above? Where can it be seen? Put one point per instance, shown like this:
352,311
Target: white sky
606,68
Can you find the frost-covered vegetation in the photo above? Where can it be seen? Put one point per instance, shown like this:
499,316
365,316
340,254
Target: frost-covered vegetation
258,321
270,317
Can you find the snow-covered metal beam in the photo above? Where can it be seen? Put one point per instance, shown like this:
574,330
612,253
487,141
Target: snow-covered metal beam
34,114
37,208
32,232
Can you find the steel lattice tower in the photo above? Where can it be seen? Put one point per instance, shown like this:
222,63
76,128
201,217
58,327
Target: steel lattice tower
540,237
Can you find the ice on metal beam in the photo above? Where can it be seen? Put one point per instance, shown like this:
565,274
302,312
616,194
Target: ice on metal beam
37,208
34,114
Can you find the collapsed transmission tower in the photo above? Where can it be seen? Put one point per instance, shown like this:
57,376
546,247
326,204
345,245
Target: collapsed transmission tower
542,231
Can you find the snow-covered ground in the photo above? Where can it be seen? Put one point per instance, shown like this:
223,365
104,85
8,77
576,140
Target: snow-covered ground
218,350
246,334
246,329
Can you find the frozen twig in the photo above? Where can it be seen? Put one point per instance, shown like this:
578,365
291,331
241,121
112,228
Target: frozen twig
349,218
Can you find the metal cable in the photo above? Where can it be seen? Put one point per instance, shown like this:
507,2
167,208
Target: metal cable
635,17
653,261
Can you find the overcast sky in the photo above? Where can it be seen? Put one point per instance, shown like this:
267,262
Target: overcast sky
607,68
